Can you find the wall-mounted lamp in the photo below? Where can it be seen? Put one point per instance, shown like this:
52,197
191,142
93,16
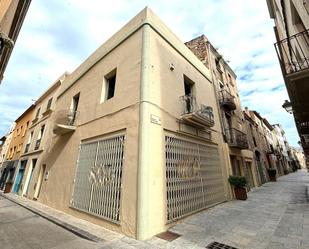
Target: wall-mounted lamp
287,105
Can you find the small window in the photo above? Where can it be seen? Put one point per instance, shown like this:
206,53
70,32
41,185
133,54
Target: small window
37,113
49,103
109,84
26,127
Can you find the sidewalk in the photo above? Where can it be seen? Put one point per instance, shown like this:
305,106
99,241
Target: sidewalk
275,216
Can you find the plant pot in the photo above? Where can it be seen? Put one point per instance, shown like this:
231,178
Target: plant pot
273,178
240,193
8,187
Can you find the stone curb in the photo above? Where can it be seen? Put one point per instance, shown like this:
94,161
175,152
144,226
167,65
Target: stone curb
73,229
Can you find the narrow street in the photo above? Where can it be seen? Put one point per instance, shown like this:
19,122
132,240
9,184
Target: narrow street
275,216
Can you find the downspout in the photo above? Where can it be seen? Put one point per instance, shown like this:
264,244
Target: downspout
142,169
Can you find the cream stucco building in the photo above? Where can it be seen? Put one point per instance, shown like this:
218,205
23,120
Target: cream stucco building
136,142
38,143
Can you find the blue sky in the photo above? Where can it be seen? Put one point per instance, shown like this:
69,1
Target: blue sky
58,35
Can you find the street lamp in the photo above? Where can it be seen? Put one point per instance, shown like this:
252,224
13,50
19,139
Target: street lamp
287,105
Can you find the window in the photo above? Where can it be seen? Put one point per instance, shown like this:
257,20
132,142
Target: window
109,84
49,103
73,110
14,151
38,141
188,85
37,113
188,98
26,127
29,142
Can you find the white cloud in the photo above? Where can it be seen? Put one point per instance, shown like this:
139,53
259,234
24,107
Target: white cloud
58,35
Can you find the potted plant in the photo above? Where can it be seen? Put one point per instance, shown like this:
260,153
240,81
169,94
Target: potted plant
272,174
239,184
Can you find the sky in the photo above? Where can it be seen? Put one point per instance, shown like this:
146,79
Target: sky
58,35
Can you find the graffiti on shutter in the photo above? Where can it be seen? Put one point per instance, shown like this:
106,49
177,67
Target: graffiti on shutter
193,177
98,178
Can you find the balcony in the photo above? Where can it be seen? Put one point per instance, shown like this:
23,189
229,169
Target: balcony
201,116
236,139
227,100
293,53
65,122
303,127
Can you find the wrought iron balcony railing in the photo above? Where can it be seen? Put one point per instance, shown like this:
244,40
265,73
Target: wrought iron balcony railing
66,117
303,127
198,115
227,100
293,52
236,138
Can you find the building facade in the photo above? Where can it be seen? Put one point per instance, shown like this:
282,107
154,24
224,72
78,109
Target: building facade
291,19
11,164
137,119
38,143
12,15
282,148
238,156
6,140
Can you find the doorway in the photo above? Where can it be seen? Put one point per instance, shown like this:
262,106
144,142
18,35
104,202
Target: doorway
19,177
40,181
29,177
249,175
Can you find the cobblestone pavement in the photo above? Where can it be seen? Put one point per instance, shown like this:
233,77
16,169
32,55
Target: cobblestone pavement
276,215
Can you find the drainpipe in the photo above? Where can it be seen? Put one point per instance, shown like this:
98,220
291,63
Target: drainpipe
144,114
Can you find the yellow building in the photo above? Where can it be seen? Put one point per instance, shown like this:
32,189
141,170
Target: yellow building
12,15
136,141
14,151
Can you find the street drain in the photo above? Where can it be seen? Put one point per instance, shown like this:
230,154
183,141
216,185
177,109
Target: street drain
169,236
217,245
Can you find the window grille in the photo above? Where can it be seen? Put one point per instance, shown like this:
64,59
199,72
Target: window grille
193,177
98,178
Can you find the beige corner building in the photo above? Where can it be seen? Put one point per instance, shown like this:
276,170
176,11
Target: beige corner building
238,155
136,141
12,15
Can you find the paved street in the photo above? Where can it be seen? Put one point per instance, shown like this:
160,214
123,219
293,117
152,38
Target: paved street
21,229
275,216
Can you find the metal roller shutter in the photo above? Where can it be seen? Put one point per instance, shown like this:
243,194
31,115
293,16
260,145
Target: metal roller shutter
193,177
98,178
